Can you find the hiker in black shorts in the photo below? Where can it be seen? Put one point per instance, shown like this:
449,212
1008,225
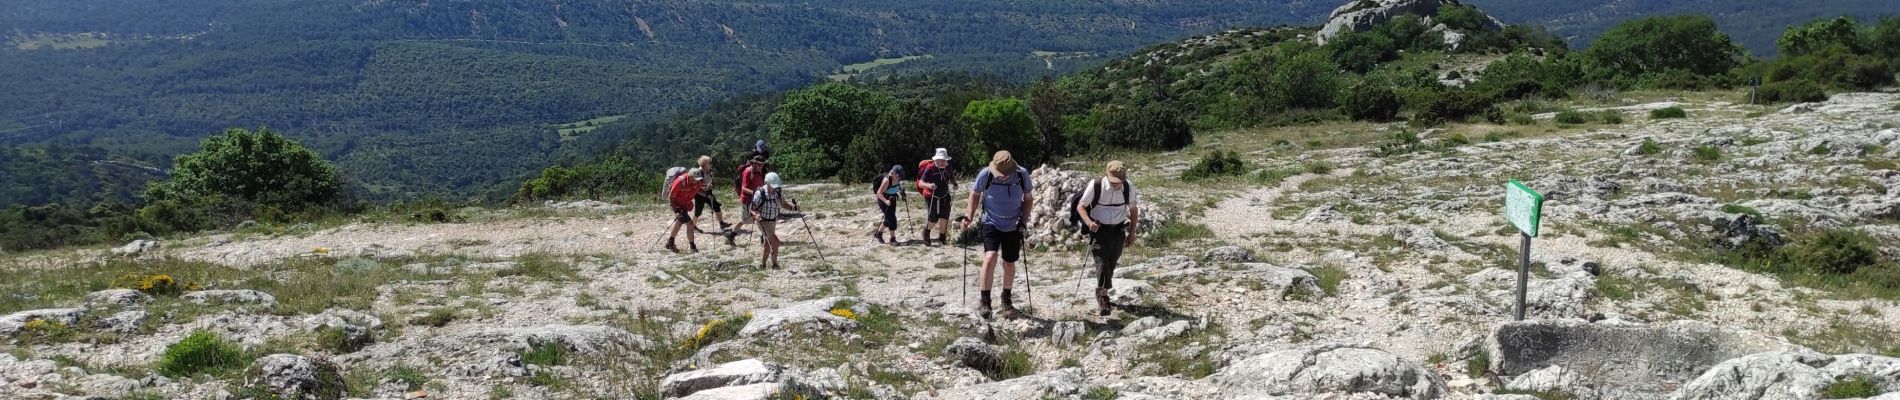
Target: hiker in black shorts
1004,193
938,184
705,200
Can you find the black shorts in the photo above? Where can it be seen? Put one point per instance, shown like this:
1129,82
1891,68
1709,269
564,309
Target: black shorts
683,215
703,201
939,207
1010,243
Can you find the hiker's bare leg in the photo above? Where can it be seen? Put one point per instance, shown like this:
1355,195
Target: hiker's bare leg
1009,274
989,268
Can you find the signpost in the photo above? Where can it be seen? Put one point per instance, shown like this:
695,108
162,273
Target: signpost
1524,208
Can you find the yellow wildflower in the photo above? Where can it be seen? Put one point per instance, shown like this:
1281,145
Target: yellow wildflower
36,325
845,312
321,250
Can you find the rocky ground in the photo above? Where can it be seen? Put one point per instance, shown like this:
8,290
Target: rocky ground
1370,270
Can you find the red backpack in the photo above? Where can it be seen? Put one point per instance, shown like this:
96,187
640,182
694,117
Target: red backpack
923,168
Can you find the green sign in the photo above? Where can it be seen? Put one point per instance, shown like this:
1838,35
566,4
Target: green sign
1523,207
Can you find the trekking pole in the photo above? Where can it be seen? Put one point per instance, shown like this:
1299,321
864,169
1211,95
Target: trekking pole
966,267
1029,285
809,232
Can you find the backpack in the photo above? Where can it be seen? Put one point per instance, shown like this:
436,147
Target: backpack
923,169
672,175
1075,218
745,175
1022,180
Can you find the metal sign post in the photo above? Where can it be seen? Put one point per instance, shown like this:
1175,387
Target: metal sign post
1524,208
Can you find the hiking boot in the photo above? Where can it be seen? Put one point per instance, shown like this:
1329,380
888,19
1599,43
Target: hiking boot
1009,308
926,237
671,247
725,227
729,235
983,304
1101,301
694,246
879,235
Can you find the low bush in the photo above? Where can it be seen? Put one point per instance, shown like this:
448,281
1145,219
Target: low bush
202,352
1371,101
1838,252
1649,147
1216,164
1708,153
1667,113
1572,118
1791,92
1610,117
1855,387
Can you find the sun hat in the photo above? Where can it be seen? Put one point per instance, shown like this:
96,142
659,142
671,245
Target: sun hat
942,154
1116,172
1002,164
697,174
771,179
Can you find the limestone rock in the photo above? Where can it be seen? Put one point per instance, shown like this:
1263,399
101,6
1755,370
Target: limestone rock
1129,292
1790,374
115,298
1555,379
1067,333
240,297
1631,360
1360,16
136,248
128,321
1282,281
736,373
1060,383
1327,370
1324,214
975,354
1231,254
12,323
775,321
300,377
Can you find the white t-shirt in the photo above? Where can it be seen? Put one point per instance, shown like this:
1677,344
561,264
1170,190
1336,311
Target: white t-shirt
1111,209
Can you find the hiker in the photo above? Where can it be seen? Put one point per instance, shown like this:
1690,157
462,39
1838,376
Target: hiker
1110,210
890,187
681,192
761,151
936,182
750,178
767,202
705,200
1004,193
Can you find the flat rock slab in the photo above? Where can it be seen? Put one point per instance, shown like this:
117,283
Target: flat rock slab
1628,359
728,376
1328,370
814,311
1060,383
12,323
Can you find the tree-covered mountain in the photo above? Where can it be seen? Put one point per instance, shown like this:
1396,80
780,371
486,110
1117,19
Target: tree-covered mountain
1753,23
435,98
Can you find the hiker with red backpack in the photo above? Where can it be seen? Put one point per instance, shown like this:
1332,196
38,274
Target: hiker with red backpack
680,194
1004,193
1109,211
750,178
936,182
888,188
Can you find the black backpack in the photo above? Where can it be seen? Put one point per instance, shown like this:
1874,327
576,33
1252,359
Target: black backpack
1075,218
896,183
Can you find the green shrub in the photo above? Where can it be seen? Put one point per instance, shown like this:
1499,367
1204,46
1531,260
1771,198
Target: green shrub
1319,167
1858,386
341,342
1329,278
1610,117
1216,164
202,352
438,317
1839,252
1371,101
1172,232
1150,127
1477,365
1649,147
1708,153
1572,118
1799,91
1452,106
1821,150
1494,137
1741,209
1520,119
1665,113
1101,393
1015,363
545,354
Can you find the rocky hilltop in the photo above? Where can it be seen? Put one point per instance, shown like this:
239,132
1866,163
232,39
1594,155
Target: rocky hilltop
1375,269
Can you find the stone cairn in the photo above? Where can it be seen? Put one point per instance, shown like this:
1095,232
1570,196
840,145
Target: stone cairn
1049,218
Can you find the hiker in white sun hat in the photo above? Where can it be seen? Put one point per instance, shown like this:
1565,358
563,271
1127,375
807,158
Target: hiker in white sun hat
936,181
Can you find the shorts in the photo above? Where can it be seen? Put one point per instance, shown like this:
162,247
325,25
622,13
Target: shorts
703,201
768,230
1010,243
683,214
939,207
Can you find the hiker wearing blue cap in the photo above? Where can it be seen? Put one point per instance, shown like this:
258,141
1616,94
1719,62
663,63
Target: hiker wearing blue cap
888,188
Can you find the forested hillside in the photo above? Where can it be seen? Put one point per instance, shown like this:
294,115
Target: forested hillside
1754,23
450,98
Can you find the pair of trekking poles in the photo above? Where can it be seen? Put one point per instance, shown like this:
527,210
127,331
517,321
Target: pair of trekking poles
1029,286
801,219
